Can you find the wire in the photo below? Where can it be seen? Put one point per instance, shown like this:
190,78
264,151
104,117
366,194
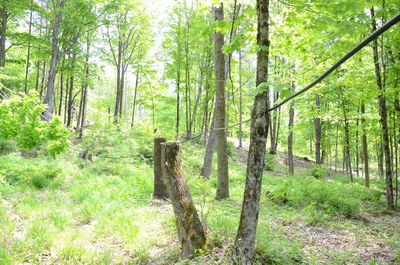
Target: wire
349,54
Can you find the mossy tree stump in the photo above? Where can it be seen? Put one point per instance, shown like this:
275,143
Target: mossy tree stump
160,190
190,230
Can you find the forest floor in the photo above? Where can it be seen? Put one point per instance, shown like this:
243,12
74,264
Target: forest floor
73,211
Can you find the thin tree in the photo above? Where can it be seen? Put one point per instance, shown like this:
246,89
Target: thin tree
246,234
220,110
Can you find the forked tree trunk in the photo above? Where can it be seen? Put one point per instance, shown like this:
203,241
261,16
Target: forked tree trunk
190,229
246,235
50,93
220,110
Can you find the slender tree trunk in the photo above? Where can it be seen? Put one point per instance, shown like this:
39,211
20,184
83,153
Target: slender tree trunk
119,78
3,31
357,151
220,110
240,101
317,124
66,100
347,136
135,96
42,83
37,75
365,146
245,239
61,93
290,136
178,81
197,102
71,90
383,120
336,147
29,50
49,98
210,148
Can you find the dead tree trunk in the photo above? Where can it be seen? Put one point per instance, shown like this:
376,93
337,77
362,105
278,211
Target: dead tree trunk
160,190
190,230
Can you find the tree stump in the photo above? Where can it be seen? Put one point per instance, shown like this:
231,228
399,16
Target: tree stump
190,230
160,190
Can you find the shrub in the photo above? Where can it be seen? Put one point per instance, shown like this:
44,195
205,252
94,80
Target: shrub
20,120
318,171
318,197
269,162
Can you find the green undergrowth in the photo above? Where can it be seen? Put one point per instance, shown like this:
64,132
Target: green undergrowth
74,211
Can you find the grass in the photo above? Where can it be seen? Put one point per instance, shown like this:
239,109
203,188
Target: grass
71,211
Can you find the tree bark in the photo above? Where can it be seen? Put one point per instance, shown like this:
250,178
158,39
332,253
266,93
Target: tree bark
49,98
3,32
383,120
210,148
190,229
347,156
290,136
240,101
70,91
246,235
29,51
365,146
135,96
160,190
220,110
317,123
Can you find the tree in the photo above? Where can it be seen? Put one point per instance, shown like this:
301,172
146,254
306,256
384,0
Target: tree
246,234
220,110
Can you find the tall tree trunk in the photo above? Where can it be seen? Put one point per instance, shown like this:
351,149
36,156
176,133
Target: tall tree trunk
3,31
210,148
347,156
135,96
246,234
197,102
29,51
240,101
119,78
61,93
383,120
365,146
317,124
290,136
70,91
220,110
42,83
49,98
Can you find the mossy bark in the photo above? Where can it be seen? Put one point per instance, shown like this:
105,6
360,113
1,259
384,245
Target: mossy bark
190,230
